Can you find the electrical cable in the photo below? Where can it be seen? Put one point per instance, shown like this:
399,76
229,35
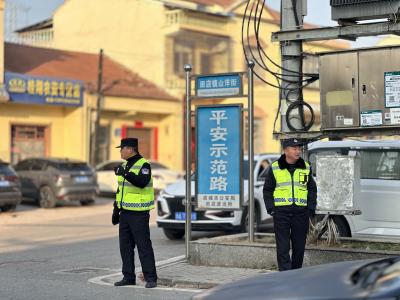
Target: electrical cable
255,59
257,21
259,61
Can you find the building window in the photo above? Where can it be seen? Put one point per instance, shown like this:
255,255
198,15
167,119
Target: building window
183,54
205,63
28,141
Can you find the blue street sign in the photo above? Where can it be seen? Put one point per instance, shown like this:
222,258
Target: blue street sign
219,156
224,85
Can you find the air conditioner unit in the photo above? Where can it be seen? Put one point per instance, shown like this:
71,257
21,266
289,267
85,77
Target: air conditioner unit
358,10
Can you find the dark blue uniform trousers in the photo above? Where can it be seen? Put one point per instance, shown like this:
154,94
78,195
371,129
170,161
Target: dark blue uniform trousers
134,231
291,227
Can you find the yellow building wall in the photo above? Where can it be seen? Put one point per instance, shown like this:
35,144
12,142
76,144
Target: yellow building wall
128,31
165,115
65,132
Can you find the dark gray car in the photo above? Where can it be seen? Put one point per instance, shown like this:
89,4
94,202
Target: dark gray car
51,181
361,279
10,193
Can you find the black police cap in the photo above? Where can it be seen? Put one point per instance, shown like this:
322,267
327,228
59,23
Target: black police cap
128,142
292,142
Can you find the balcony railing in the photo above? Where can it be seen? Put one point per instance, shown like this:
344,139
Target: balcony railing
196,21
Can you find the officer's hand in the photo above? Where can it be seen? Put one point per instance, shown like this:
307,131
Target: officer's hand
119,170
270,211
115,217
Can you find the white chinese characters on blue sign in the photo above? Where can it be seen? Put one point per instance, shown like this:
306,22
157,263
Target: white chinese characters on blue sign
218,85
218,157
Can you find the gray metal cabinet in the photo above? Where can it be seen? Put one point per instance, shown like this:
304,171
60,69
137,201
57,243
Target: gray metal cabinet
360,88
339,90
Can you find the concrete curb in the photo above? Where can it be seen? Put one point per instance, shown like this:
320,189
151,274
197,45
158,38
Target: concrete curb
235,251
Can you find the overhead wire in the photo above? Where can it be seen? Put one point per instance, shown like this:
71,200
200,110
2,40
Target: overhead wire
257,21
262,64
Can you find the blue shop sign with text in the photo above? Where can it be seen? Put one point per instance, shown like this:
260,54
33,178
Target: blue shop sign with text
43,90
224,85
219,157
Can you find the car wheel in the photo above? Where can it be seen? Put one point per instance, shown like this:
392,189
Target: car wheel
174,234
87,202
47,198
9,207
245,220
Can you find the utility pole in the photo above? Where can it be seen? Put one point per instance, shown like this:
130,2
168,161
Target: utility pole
292,58
95,132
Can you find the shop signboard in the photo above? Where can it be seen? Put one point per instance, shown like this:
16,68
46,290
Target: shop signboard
43,90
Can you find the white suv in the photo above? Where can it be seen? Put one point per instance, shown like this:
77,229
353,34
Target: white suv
171,208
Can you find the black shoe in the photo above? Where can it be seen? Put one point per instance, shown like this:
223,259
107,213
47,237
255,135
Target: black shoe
151,284
125,281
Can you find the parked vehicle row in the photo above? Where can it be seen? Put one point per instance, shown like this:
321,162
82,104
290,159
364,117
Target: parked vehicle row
52,181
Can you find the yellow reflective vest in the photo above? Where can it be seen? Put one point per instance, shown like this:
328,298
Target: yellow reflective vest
130,197
290,189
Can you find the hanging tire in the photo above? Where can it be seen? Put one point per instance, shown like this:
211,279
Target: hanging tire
340,222
174,234
342,226
47,199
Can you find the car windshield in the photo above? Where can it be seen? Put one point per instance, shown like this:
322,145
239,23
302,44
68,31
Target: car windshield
390,274
382,272
70,166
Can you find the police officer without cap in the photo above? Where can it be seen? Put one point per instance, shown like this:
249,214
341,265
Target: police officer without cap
290,196
134,200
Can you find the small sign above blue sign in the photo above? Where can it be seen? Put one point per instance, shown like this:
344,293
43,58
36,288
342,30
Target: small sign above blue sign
43,90
214,86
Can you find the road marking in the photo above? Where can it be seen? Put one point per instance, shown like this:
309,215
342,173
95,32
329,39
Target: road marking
160,264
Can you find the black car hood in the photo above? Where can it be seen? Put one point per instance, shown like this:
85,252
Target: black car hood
332,281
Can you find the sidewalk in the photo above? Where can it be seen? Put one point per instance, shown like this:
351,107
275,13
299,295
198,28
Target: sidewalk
180,274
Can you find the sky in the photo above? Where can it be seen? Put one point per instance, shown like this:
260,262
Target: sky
32,11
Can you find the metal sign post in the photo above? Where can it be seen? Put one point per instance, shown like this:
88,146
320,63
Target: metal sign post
188,208
251,149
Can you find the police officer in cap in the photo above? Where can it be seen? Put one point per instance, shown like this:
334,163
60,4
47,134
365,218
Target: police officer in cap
134,200
290,196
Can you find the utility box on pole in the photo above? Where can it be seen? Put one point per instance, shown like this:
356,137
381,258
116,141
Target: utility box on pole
357,10
360,88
